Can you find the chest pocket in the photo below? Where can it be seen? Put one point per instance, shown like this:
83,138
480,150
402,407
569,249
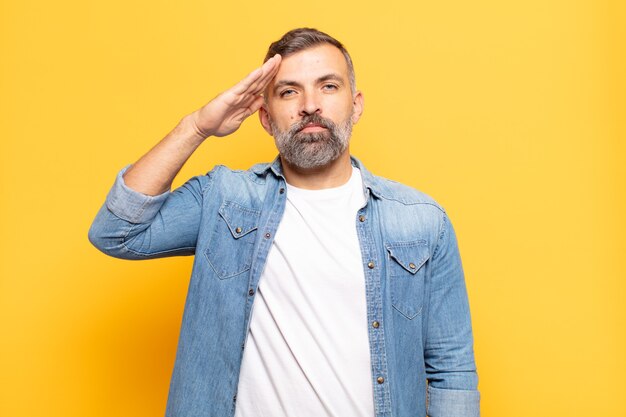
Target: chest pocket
406,273
232,242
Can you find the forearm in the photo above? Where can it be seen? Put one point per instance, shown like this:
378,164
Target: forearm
154,172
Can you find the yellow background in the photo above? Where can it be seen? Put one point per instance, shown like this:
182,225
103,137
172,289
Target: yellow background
510,114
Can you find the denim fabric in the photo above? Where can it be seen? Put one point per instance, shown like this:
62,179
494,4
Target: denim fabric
415,289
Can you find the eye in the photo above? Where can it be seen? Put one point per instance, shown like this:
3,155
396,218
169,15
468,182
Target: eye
288,92
329,87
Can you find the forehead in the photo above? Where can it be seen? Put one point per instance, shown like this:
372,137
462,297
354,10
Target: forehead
313,63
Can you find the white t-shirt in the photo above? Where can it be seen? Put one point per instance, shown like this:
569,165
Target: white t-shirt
307,350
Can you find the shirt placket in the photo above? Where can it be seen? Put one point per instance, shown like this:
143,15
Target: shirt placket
376,324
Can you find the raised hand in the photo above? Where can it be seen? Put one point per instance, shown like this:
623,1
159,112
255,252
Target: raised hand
224,114
154,172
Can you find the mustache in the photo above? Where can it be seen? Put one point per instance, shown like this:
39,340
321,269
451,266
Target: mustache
312,118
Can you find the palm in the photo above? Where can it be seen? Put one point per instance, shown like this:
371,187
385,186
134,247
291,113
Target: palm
224,114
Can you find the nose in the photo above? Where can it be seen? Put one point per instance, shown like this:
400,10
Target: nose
310,104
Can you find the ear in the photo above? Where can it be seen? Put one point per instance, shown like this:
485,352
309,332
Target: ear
264,117
357,102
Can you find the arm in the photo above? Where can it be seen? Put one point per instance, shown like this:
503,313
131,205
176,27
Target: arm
154,172
449,353
141,218
132,225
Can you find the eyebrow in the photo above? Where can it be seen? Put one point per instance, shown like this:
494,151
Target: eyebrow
327,77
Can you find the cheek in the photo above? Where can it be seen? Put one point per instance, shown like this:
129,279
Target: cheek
341,109
283,116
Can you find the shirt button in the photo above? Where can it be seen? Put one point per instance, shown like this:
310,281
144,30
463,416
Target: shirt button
370,265
380,379
282,191
267,236
251,292
376,325
361,218
238,230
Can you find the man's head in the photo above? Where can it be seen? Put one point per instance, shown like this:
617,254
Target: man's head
297,40
312,103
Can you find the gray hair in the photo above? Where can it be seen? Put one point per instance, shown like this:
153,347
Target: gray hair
297,40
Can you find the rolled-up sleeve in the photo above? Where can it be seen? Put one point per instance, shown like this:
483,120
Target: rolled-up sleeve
132,225
131,205
453,403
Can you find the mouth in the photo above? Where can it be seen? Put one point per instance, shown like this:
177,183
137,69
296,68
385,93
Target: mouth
313,127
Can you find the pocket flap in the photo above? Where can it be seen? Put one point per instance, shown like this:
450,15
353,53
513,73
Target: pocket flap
240,220
410,255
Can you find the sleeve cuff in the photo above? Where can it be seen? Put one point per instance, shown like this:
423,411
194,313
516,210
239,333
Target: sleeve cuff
131,205
453,403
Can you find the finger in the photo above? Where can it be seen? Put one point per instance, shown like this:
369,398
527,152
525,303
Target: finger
274,64
271,64
247,100
263,82
250,83
242,86
250,110
270,69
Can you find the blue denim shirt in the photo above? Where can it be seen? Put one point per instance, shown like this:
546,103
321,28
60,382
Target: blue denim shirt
419,328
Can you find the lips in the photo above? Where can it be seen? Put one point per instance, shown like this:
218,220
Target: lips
312,123
313,127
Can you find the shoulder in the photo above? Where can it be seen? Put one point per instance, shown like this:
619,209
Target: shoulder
407,215
393,191
225,175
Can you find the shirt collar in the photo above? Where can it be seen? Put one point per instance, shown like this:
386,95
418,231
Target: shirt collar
370,181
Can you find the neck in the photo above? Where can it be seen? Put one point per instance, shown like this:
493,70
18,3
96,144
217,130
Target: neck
331,175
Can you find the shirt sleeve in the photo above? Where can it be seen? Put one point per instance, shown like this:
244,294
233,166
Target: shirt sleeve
449,352
132,225
453,403
131,205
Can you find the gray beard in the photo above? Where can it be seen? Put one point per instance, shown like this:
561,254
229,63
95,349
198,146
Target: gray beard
316,149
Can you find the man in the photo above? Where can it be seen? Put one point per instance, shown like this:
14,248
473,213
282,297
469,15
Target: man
356,282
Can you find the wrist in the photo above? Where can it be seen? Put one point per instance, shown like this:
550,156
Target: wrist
190,129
